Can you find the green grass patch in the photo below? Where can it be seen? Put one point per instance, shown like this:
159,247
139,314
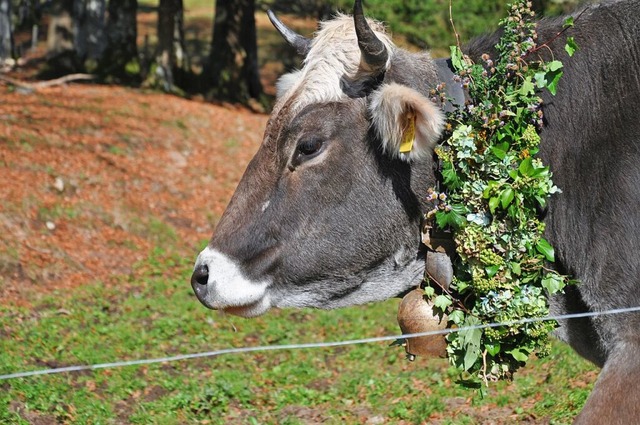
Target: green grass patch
156,316
57,211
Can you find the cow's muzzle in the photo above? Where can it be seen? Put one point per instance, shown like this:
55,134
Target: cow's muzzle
220,284
199,280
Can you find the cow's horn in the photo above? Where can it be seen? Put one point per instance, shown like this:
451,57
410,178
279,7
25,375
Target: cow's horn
374,52
300,43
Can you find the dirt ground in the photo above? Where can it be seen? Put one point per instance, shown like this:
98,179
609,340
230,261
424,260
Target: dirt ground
94,178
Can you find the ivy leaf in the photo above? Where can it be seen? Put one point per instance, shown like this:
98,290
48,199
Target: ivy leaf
449,176
442,302
570,47
526,167
493,349
492,270
454,218
518,355
540,79
471,355
493,204
568,22
552,77
545,248
540,172
429,291
506,196
554,66
553,283
471,343
499,152
527,88
513,174
457,317
456,58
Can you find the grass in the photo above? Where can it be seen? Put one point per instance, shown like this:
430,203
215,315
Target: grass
155,314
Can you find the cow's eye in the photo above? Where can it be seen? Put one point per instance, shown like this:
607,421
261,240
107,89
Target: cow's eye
308,148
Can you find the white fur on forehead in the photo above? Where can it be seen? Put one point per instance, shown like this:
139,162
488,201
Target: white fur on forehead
285,83
334,56
391,106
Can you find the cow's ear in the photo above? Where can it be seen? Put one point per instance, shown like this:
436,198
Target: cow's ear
408,123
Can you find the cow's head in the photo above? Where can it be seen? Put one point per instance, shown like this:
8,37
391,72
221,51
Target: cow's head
328,212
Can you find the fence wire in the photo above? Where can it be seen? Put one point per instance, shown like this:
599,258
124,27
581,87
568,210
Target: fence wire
242,350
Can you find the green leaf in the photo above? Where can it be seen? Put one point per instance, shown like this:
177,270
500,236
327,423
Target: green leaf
493,349
570,46
454,218
540,172
506,196
493,204
541,79
516,269
498,152
553,84
526,167
449,176
492,270
545,248
518,355
554,66
527,87
553,283
471,356
553,75
471,343
472,336
456,58
542,201
429,291
442,302
457,317
568,22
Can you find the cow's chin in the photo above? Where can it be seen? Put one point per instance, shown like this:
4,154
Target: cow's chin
252,310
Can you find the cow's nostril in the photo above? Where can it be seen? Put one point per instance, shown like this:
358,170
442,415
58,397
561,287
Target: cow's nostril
200,275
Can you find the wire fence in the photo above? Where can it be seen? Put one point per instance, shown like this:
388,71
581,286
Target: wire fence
241,350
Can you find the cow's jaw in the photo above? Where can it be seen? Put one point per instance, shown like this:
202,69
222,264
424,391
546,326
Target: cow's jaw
226,288
381,283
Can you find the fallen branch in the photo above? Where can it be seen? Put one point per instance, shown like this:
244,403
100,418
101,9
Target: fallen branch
48,83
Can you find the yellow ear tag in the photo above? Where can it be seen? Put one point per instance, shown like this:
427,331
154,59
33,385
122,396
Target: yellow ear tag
409,135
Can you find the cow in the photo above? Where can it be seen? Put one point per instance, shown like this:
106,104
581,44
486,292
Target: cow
328,213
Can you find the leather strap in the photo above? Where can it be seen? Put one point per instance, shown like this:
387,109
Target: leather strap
453,89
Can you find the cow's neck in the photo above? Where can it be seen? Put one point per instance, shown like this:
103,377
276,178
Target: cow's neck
454,93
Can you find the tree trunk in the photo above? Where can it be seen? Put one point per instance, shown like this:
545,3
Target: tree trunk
28,14
171,54
234,73
6,31
89,26
120,58
61,55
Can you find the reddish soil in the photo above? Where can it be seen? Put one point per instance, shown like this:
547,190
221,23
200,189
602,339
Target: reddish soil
94,178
